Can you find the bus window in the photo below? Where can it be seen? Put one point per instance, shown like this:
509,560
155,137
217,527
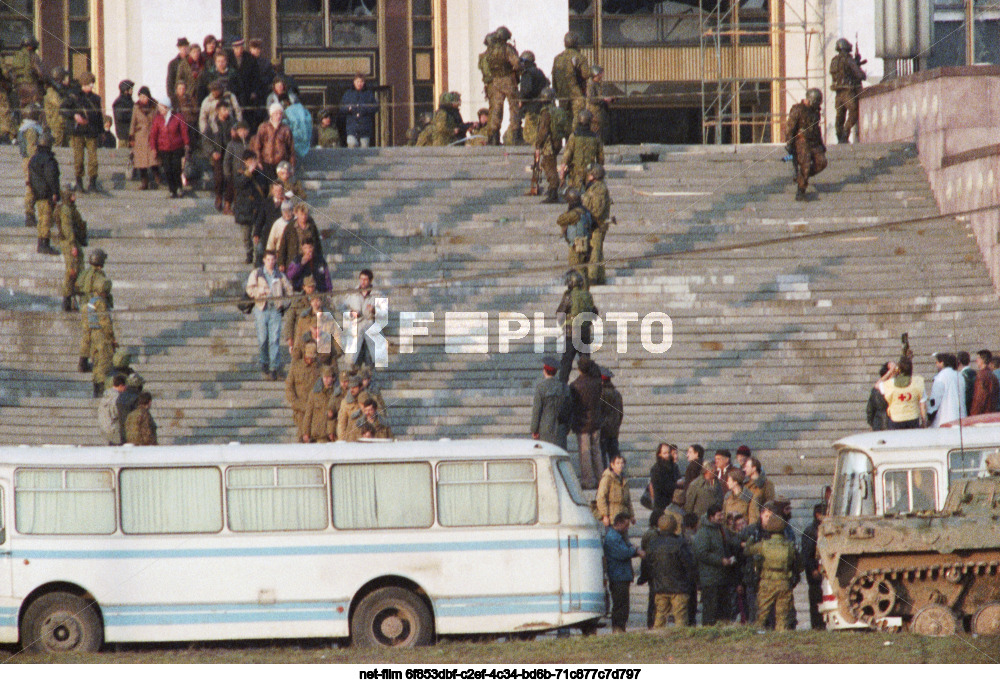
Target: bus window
382,496
485,493
58,501
568,475
909,490
968,464
171,500
276,498
853,493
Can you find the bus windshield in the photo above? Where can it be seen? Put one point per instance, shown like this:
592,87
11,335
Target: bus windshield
853,492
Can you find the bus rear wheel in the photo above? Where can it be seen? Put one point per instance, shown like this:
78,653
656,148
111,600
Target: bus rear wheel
61,622
391,617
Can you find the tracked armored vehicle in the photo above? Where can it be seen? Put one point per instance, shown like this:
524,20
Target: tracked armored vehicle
934,573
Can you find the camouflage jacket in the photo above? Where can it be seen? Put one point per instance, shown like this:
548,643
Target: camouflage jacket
597,200
569,73
803,121
846,73
72,227
582,149
140,428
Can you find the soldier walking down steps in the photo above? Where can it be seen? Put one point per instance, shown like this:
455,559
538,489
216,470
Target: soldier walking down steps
805,140
845,69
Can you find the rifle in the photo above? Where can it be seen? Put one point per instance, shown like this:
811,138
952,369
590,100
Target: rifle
905,341
857,53
536,174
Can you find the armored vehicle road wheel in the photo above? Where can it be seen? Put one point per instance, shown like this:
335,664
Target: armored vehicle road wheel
935,620
391,617
986,620
60,622
873,598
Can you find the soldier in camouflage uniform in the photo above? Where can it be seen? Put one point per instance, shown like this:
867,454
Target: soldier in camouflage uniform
140,428
27,143
577,227
89,281
26,72
570,72
505,70
805,140
597,200
72,231
301,379
597,103
847,77
548,142
102,335
582,149
350,413
8,129
414,134
86,124
576,300
529,89
318,422
43,181
57,102
447,125
779,573
484,64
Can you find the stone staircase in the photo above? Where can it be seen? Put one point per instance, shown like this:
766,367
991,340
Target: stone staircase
774,345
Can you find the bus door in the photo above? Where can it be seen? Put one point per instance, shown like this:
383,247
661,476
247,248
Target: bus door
5,561
572,578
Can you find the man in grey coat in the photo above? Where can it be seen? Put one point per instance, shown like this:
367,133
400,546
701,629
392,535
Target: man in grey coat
550,413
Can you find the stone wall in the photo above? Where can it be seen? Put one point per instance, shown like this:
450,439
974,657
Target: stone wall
953,115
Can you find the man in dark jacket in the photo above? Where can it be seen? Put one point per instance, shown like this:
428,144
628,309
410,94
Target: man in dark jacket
43,179
248,194
85,130
122,110
359,106
875,411
672,572
529,89
612,412
247,81
810,561
618,554
986,390
550,411
704,493
713,551
585,392
309,263
174,64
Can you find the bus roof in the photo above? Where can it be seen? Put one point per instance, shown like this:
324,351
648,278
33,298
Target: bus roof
77,456
971,436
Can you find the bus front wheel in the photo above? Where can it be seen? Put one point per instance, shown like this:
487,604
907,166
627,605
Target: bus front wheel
61,622
391,617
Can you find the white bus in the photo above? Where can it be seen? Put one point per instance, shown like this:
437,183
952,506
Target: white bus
387,543
904,471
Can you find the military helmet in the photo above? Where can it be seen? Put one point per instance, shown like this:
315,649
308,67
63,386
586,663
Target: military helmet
596,70
445,99
58,74
503,34
528,56
775,524
571,39
30,41
595,169
125,86
584,118
97,258
45,139
547,94
489,39
573,278
456,97
814,97
572,196
844,45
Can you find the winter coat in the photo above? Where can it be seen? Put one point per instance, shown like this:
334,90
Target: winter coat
121,110
315,421
143,154
613,496
663,477
710,548
247,197
550,411
217,135
671,562
586,393
300,121
87,104
168,136
292,239
611,411
317,268
702,494
359,107
232,162
273,146
43,174
207,109
618,553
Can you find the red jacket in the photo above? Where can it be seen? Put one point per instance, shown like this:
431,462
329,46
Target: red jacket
168,136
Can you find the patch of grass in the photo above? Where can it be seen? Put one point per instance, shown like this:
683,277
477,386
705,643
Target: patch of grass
675,645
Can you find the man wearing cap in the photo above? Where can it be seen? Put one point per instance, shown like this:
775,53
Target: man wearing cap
350,411
262,285
300,305
56,103
122,109
612,412
72,230
550,411
273,142
177,63
85,129
247,81
301,379
369,387
209,105
318,425
43,182
129,399
672,570
780,567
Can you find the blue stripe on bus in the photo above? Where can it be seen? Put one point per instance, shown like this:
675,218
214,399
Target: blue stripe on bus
8,616
457,546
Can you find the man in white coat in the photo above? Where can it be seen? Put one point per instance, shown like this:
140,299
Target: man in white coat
365,313
947,399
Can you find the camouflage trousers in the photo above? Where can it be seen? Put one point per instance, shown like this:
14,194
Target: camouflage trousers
670,603
86,334
58,133
74,266
847,114
547,162
578,261
43,210
498,90
529,127
79,143
779,595
574,105
29,196
595,270
7,127
599,124
102,355
808,162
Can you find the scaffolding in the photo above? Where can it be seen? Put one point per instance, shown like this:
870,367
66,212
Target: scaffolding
731,48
